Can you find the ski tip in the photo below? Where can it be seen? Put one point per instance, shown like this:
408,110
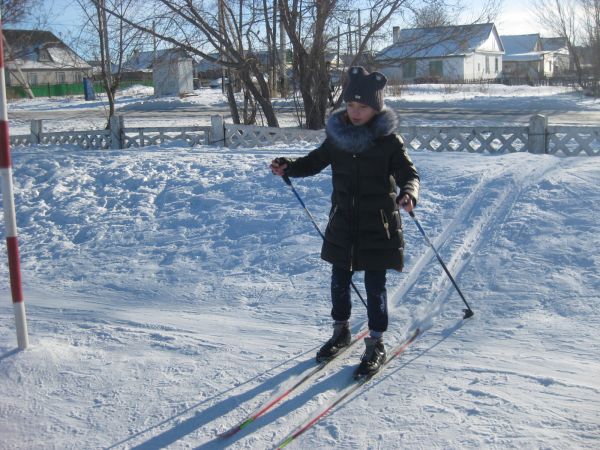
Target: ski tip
227,434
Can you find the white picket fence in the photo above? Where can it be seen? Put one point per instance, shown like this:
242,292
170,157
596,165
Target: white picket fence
538,137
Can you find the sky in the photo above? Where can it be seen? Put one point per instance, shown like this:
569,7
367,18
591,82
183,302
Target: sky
516,17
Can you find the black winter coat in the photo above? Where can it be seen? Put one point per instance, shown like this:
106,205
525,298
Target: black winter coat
368,163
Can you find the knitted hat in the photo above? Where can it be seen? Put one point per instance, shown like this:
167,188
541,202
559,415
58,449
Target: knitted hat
365,87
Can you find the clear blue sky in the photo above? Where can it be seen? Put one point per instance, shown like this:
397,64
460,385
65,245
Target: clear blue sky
516,18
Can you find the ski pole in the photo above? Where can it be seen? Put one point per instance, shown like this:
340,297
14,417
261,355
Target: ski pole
468,312
312,219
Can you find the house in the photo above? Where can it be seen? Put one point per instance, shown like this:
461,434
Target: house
557,57
42,59
448,53
209,70
138,66
533,57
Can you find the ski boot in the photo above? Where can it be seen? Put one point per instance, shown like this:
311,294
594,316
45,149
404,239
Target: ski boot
341,338
372,359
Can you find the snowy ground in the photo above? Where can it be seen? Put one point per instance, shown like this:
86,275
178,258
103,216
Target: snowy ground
170,291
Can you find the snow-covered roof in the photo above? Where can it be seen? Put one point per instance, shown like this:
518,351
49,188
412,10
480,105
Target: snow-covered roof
143,61
204,65
435,42
554,44
521,43
521,57
37,49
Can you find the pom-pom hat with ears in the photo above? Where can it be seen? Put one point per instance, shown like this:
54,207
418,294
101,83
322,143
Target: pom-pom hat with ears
365,87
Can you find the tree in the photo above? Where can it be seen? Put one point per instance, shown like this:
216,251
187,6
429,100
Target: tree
591,38
206,29
110,40
314,26
561,18
15,11
434,14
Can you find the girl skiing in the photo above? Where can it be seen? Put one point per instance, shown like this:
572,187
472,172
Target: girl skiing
369,164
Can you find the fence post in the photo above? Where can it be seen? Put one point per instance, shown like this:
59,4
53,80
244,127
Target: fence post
36,131
116,132
538,126
217,130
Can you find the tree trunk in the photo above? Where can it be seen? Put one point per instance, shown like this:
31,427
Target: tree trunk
235,115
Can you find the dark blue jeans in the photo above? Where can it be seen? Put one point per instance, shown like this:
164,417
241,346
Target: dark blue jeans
376,297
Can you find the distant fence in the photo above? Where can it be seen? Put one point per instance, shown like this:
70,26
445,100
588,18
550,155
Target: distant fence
66,89
538,137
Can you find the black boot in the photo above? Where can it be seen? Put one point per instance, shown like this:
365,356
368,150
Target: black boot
372,359
341,338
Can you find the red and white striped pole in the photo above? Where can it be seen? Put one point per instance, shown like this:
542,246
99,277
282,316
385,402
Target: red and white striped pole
8,202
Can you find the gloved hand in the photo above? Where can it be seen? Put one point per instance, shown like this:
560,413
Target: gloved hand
406,203
279,166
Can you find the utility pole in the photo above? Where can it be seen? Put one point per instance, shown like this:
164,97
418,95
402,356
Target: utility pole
282,58
359,36
349,38
274,69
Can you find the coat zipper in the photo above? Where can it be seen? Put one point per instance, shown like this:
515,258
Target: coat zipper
355,218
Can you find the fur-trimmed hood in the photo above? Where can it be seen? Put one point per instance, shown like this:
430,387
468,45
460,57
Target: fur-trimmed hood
357,139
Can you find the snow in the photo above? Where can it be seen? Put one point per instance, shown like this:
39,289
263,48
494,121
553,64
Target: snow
170,291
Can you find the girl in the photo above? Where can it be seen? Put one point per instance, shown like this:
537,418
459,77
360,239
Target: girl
369,164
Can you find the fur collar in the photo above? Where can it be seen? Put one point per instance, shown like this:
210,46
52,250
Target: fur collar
357,139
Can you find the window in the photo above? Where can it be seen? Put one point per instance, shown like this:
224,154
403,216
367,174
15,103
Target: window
436,68
61,77
44,55
497,66
32,78
487,64
409,69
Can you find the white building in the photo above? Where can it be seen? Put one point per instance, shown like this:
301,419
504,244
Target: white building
173,74
533,57
451,53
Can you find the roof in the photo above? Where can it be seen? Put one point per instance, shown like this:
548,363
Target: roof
554,44
530,47
143,61
521,43
457,40
39,49
522,57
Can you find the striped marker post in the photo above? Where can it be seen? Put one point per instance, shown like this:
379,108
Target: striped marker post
8,202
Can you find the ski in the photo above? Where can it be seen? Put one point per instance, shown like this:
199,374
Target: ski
349,390
270,403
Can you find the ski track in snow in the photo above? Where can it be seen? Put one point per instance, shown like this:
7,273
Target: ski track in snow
170,291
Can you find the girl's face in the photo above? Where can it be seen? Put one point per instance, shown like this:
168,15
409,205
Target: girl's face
359,113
